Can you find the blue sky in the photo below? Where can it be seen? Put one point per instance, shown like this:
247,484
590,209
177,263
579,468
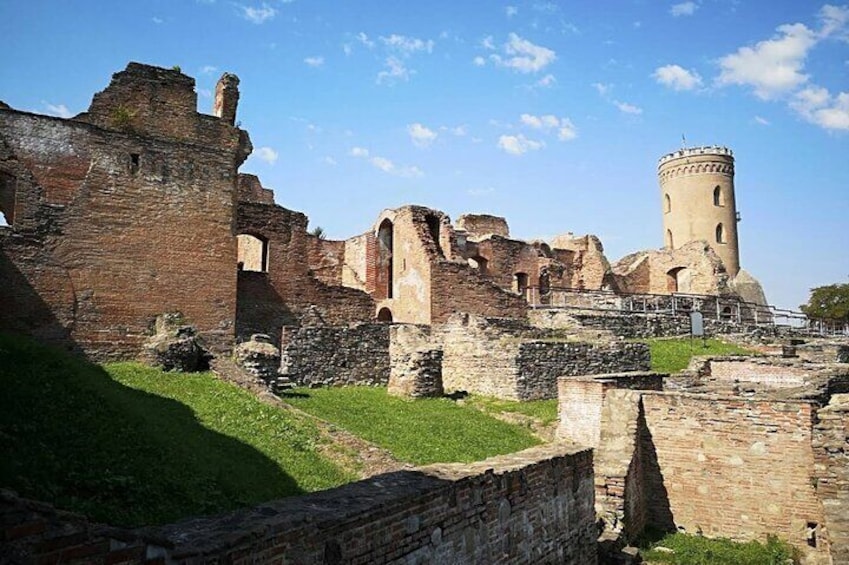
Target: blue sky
552,114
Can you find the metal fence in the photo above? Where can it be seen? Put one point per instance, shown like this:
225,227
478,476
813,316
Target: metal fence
722,308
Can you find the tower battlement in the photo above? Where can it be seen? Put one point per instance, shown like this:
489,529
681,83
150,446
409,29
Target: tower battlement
696,151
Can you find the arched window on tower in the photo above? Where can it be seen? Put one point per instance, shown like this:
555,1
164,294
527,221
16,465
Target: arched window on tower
667,204
718,197
720,234
669,239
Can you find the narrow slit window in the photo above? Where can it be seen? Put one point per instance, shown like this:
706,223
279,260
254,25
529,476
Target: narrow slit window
720,234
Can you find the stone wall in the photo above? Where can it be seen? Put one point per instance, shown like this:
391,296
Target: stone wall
325,258
456,287
416,362
122,213
506,359
481,225
831,472
534,506
336,355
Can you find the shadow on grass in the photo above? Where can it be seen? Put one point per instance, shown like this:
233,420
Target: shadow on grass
72,436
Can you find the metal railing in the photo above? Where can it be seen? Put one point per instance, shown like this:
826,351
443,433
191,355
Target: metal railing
721,308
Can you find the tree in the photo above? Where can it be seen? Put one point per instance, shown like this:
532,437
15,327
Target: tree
830,302
318,232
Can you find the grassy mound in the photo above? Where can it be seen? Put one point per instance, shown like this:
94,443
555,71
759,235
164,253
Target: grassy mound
130,445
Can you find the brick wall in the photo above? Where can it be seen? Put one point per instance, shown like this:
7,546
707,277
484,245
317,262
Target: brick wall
534,506
772,372
325,258
732,467
456,287
116,225
831,472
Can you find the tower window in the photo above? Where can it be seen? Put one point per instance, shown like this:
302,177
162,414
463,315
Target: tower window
718,197
667,204
669,239
720,234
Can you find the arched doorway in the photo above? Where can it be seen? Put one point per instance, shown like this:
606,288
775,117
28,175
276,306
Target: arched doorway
252,253
520,284
678,280
384,315
384,260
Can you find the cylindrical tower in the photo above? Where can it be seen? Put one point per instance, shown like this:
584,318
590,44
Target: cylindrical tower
697,195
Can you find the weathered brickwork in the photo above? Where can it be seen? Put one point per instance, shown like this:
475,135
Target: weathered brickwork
483,225
831,472
336,355
109,209
458,288
325,258
534,506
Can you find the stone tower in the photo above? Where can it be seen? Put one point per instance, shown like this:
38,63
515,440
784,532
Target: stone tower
697,195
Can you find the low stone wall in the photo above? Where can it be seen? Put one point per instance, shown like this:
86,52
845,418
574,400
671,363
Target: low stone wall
534,506
639,325
540,363
416,364
770,371
507,359
336,355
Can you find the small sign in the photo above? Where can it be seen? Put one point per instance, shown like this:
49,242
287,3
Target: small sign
697,324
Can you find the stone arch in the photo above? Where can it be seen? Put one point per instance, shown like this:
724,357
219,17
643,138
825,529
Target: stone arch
384,262
252,252
678,280
433,228
384,315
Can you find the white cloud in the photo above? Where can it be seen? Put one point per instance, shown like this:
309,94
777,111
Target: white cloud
347,49
677,78
773,66
421,135
488,43
523,56
329,161
407,45
761,121
58,110
156,20
818,106
518,144
314,61
626,108
208,69
384,164
258,15
395,70
479,61
683,9
566,130
602,89
364,39
511,11
835,22
359,152
205,92
546,82
267,154
458,131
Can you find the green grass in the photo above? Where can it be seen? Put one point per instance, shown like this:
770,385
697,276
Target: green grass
697,550
417,431
545,411
130,445
673,355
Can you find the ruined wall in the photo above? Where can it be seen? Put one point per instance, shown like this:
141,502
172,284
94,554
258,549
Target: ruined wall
506,257
831,472
639,325
588,265
761,451
506,359
121,214
333,355
269,300
532,507
694,268
354,264
482,225
325,258
456,287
